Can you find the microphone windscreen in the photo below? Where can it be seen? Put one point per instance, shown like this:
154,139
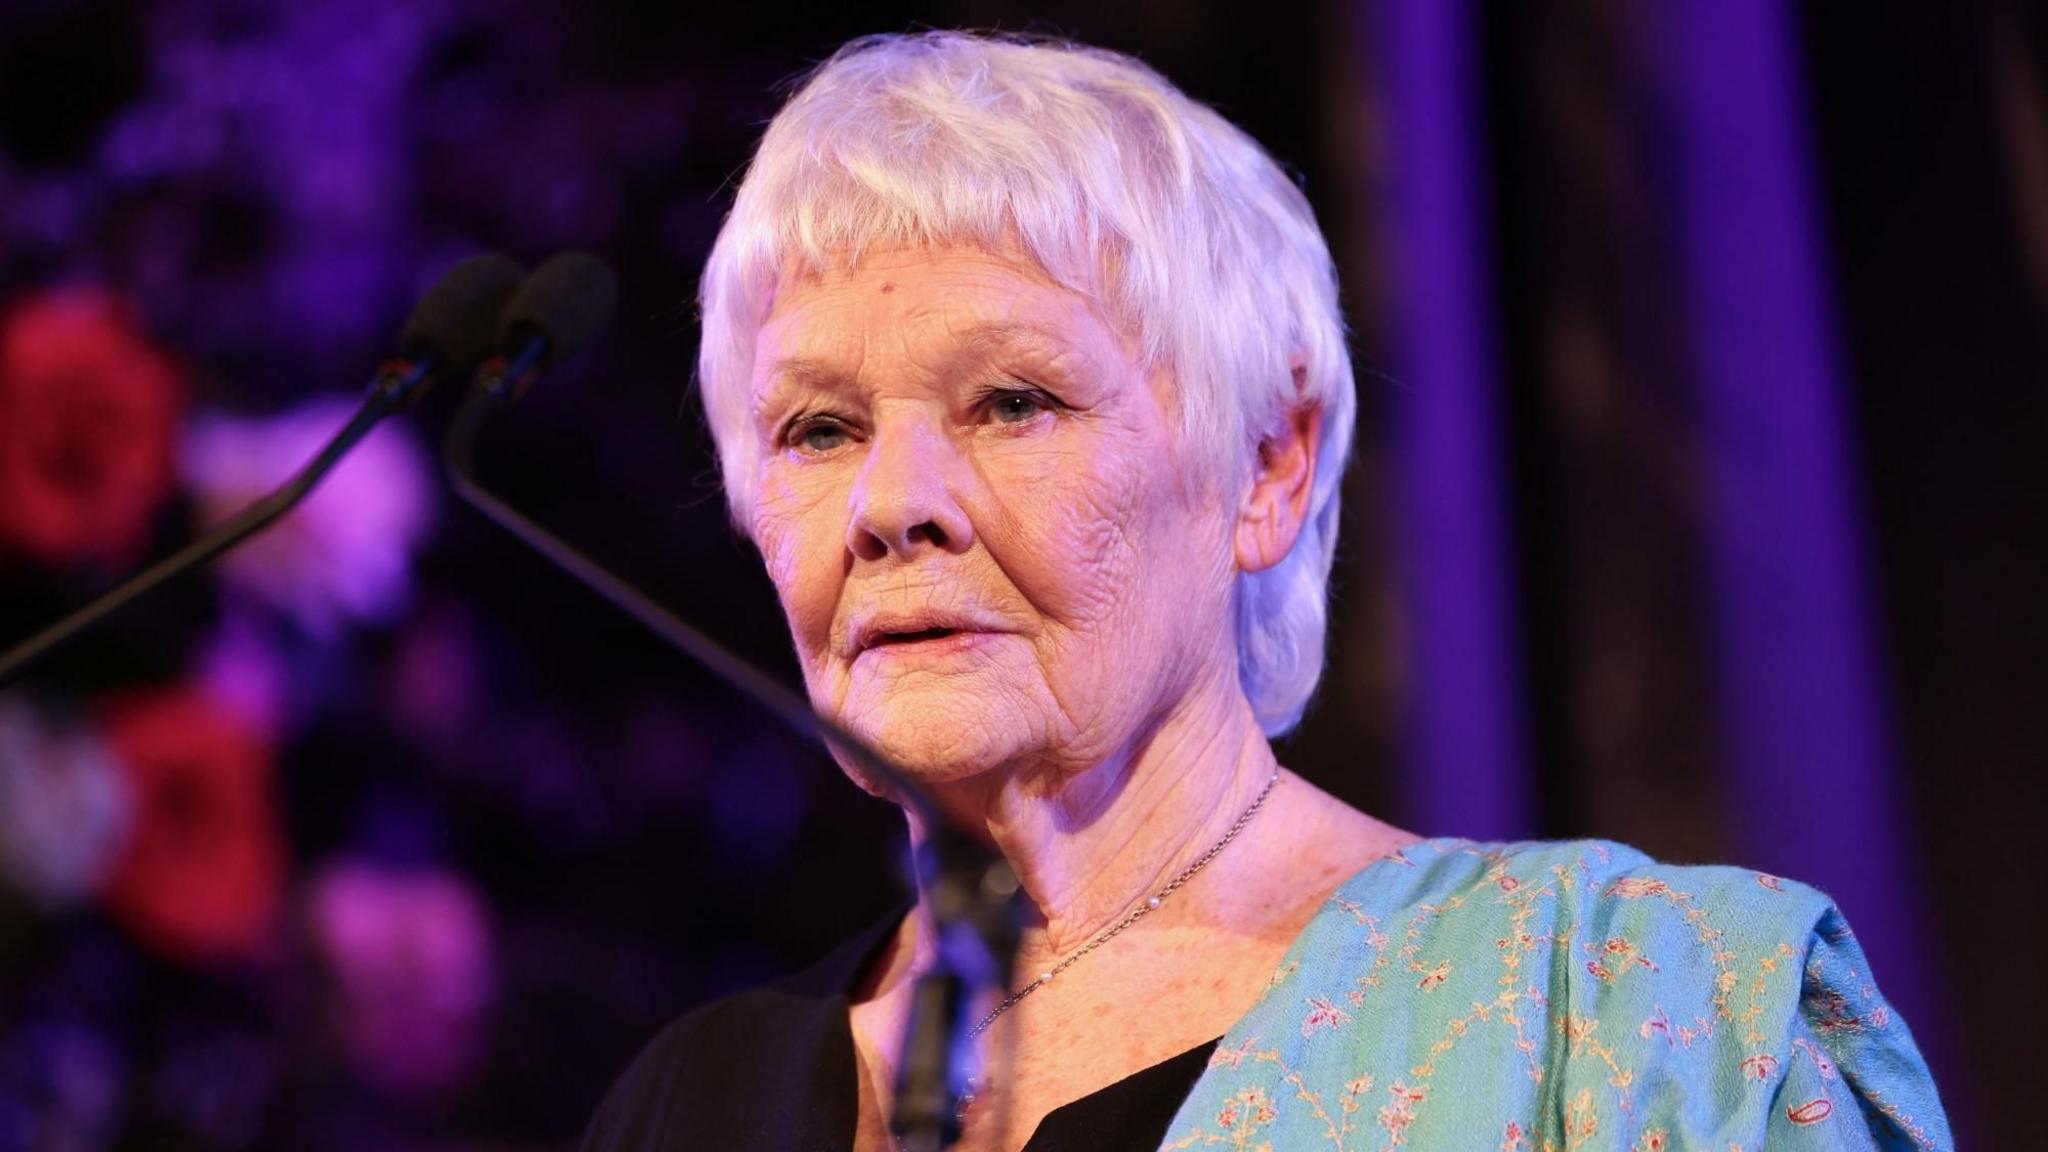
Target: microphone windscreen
457,320
570,298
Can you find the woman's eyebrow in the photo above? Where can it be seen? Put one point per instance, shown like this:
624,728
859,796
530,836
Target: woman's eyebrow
987,338
801,370
796,373
1000,335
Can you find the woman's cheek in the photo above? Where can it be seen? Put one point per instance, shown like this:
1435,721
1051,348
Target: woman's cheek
799,550
1069,532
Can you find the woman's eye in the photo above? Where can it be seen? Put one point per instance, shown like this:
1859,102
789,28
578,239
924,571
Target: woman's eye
817,436
1016,407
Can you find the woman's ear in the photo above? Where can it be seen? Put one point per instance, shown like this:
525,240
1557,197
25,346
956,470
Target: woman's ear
1277,504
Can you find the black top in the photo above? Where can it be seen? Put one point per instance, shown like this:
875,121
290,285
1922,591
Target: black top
774,1068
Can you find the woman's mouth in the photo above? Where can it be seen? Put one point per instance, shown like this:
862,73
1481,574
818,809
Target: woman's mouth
894,638
925,643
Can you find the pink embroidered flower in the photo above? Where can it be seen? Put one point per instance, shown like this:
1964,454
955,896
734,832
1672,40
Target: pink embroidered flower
1638,887
1434,978
1660,1024
1322,1014
1250,1108
1654,1140
1770,881
345,554
1399,1112
1233,1056
1760,1067
1514,1140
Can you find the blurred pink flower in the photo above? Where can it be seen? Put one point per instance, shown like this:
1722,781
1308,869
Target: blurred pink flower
414,977
246,674
65,808
343,556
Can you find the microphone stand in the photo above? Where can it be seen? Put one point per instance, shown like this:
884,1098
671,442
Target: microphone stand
969,888
395,385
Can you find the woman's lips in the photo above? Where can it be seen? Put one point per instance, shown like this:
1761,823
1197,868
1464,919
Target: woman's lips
930,644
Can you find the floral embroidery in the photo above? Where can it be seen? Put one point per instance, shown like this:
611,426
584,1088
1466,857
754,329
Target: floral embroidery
1435,976
1581,1122
1233,1056
1657,1025
1626,992
1248,1110
1637,888
1399,1112
1322,1014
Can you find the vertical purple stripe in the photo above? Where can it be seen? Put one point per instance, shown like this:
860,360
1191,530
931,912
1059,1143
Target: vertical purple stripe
1801,690
1464,767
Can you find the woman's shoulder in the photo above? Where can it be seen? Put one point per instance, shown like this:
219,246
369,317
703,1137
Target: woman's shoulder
1600,893
1569,987
1587,873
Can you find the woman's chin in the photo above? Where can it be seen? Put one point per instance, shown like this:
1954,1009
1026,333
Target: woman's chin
937,739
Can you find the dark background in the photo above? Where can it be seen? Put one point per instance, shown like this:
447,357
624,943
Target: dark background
500,807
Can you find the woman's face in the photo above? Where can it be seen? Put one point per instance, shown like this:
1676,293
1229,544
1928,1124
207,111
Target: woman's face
972,502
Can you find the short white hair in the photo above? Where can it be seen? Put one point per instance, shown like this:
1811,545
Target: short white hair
1122,189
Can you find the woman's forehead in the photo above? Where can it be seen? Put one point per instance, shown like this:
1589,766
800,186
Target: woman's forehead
964,300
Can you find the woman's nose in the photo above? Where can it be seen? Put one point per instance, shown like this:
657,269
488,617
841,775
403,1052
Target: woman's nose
904,496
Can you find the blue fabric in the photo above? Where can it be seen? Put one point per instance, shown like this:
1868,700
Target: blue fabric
1561,996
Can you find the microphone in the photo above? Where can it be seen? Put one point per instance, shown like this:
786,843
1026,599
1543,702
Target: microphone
567,301
972,889
449,330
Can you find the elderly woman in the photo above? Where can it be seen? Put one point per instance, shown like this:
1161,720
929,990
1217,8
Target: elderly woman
1028,380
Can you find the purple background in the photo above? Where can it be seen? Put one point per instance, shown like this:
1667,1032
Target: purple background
1698,505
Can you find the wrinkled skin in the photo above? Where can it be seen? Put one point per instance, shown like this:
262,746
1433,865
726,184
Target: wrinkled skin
1025,481
950,439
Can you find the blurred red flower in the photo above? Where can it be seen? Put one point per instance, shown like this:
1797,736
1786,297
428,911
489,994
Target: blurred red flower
87,413
202,875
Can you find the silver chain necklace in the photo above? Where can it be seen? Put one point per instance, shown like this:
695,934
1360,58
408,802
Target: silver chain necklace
1145,908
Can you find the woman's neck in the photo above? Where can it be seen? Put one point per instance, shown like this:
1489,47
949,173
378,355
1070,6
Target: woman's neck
1089,846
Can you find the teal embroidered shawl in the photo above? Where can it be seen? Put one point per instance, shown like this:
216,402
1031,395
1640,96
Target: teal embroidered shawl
1563,996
